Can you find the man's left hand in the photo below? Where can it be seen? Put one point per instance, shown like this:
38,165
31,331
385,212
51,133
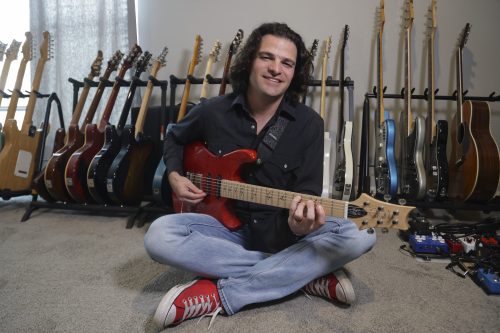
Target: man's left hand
305,216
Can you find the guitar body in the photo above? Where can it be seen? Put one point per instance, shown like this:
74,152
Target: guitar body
54,177
345,165
198,160
488,157
414,179
99,167
463,171
38,183
126,176
386,174
78,164
162,193
437,164
18,157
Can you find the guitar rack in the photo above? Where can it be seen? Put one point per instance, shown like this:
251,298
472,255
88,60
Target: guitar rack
8,194
133,211
492,205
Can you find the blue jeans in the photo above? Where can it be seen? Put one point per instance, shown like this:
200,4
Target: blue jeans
200,244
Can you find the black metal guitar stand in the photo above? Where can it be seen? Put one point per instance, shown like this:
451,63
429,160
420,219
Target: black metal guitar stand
133,211
491,205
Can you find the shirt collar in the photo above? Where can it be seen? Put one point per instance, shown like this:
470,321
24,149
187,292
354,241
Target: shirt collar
285,106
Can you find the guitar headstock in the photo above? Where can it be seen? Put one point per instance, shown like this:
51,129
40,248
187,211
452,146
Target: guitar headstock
114,61
13,50
95,69
464,36
132,56
3,46
328,46
409,14
27,48
381,17
236,42
346,36
368,212
198,45
159,62
431,19
314,49
142,64
46,47
214,53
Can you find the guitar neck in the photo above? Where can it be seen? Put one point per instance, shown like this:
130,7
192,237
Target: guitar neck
204,87
30,108
380,83
14,98
81,102
112,99
431,87
323,89
97,97
460,88
141,118
225,72
407,91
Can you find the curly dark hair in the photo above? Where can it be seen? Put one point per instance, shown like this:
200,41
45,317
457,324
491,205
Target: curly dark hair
240,70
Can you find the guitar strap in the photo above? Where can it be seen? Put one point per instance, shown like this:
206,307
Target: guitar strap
270,140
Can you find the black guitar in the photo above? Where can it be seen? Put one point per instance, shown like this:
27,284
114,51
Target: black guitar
126,179
100,164
436,164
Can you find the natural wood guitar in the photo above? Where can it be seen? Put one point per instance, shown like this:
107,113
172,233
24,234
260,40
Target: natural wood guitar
56,166
22,147
474,160
219,177
327,180
213,57
10,56
14,97
77,166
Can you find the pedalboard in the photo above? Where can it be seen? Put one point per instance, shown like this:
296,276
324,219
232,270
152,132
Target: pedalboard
489,280
428,244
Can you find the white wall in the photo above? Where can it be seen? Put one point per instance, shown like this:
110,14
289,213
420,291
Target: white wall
175,23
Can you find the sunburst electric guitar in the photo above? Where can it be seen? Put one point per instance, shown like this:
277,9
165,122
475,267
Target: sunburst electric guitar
19,157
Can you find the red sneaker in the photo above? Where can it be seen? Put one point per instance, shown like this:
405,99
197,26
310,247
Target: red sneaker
194,299
333,286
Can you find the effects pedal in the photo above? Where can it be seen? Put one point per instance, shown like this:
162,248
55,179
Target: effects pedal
454,246
489,279
428,244
468,243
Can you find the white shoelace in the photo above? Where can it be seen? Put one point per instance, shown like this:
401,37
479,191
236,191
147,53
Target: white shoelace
319,287
201,305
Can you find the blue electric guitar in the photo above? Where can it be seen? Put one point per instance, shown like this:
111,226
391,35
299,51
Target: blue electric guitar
386,174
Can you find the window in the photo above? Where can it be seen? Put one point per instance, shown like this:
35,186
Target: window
13,25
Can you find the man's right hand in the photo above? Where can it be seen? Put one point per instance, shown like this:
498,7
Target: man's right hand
184,189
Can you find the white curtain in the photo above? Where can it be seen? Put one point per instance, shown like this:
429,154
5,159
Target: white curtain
78,28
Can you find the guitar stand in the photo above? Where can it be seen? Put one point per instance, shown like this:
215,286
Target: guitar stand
7,194
493,204
134,212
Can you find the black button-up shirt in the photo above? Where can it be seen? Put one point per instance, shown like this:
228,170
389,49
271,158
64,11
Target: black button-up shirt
224,124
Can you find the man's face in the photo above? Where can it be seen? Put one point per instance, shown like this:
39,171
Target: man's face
273,67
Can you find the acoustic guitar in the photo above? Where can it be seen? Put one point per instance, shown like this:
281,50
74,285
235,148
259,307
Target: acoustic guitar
14,97
76,169
386,173
344,164
327,187
219,177
436,133
56,166
474,160
160,186
413,176
22,147
100,164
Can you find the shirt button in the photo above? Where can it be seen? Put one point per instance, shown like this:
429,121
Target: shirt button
253,127
220,152
285,166
254,221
